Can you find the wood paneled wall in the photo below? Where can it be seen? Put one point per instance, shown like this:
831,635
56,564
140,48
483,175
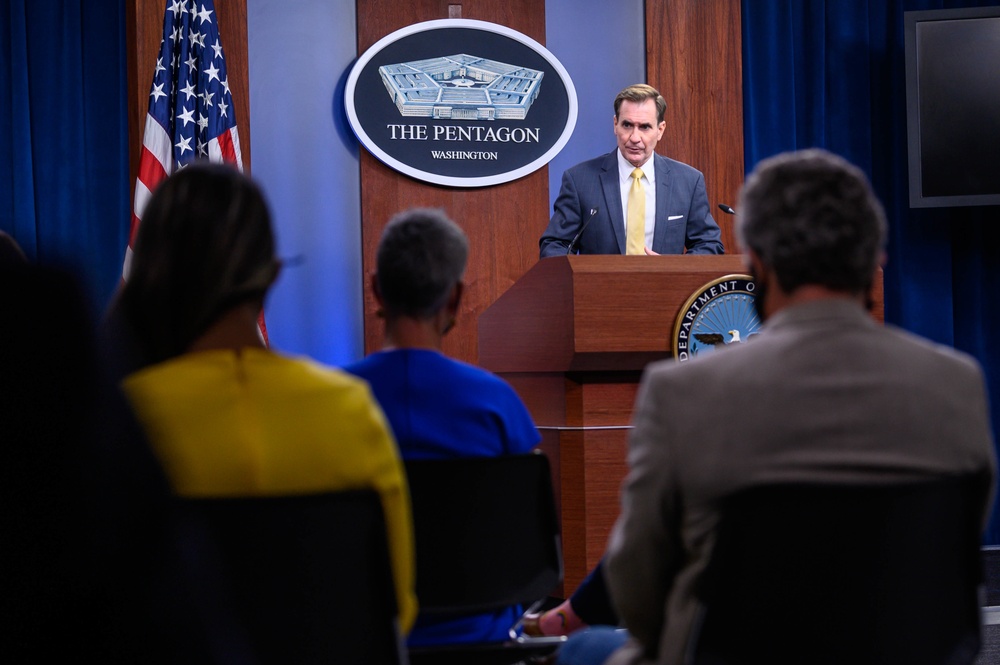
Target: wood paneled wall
144,28
503,222
694,58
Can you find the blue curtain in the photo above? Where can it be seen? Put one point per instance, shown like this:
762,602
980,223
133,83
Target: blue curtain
830,74
64,191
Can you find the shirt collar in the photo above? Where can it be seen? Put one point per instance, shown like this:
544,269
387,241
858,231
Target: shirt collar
625,168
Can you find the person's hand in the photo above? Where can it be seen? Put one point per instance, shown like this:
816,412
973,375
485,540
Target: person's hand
650,252
561,620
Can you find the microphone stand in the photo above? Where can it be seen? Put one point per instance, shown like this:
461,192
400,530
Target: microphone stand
572,243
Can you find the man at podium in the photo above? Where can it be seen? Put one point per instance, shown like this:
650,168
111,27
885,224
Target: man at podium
631,200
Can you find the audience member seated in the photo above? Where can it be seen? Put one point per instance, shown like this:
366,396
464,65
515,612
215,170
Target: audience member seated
226,415
91,567
438,407
823,395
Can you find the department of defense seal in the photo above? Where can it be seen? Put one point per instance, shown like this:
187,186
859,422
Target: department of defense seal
719,313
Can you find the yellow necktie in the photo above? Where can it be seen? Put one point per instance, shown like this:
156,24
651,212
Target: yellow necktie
635,226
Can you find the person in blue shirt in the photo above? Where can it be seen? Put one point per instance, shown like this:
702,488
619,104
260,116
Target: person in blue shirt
437,407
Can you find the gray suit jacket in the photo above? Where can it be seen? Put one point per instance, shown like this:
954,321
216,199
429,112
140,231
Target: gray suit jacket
591,189
823,394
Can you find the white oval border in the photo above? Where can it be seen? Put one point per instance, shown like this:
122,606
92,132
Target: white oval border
453,181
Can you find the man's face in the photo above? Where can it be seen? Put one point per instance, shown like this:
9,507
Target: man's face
637,130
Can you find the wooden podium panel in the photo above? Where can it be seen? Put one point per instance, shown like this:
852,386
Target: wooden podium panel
578,313
573,336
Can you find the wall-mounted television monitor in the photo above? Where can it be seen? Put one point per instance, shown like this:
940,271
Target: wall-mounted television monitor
953,106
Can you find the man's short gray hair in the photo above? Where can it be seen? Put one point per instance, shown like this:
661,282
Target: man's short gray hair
813,218
421,257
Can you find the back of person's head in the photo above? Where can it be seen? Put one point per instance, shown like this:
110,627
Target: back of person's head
639,93
11,254
205,245
812,217
421,257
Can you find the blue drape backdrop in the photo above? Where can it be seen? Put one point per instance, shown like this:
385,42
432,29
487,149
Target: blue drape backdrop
830,74
825,73
64,191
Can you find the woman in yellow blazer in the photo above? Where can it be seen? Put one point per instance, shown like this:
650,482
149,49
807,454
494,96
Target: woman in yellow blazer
226,415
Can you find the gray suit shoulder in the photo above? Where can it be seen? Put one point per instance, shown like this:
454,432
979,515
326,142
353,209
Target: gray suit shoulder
930,349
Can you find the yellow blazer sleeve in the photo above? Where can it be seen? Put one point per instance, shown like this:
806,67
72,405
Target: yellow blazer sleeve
390,481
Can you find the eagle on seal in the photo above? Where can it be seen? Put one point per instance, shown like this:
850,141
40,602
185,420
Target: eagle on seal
718,339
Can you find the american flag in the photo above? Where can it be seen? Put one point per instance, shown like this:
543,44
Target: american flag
190,113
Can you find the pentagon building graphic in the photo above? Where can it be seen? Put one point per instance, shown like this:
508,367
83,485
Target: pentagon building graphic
462,87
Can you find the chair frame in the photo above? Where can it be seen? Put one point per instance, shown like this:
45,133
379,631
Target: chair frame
487,537
300,579
886,574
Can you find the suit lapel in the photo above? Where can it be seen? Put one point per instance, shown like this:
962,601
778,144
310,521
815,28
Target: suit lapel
663,189
613,197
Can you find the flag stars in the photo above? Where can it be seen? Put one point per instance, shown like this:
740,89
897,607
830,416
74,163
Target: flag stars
182,99
194,101
184,144
157,92
212,72
205,15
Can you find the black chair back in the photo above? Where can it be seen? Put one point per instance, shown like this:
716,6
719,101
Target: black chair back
486,531
845,574
307,578
487,537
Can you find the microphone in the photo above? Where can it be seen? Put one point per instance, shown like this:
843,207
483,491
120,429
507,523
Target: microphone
726,209
569,248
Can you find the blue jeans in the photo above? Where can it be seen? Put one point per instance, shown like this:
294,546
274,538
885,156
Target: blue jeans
592,646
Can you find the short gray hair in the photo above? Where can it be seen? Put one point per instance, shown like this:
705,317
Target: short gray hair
420,259
813,218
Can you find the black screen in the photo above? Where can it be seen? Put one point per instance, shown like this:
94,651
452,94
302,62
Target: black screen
953,106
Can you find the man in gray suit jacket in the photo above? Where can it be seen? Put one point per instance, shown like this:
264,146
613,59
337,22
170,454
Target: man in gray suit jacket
823,394
589,213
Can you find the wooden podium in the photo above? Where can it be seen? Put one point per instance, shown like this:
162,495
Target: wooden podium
573,336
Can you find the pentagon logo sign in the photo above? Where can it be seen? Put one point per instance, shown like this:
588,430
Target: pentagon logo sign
461,103
718,314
